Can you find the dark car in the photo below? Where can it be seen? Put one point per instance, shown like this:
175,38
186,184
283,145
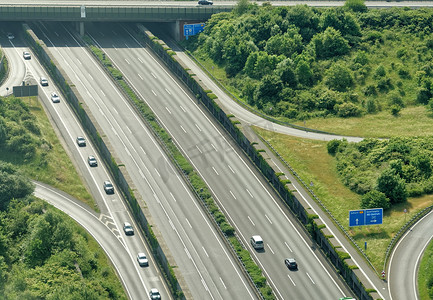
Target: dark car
92,161
108,187
205,2
81,141
128,228
27,55
291,263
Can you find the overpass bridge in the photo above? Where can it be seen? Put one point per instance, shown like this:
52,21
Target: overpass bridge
175,14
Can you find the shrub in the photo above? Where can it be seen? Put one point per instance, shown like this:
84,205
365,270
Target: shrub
349,109
332,146
375,199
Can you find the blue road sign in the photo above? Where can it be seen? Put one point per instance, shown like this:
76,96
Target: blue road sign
374,216
362,217
356,218
192,29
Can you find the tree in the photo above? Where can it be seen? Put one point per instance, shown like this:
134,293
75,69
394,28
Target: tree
339,78
422,162
241,7
392,186
304,73
39,245
340,20
303,17
355,5
284,44
285,71
361,58
3,134
261,63
12,185
380,71
329,43
267,91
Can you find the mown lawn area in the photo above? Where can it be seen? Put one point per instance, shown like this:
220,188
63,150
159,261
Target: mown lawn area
412,121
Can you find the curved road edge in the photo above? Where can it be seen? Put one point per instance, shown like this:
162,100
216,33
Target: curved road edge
406,257
89,220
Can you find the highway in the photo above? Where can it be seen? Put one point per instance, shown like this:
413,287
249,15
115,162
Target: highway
208,267
244,196
113,212
371,4
405,259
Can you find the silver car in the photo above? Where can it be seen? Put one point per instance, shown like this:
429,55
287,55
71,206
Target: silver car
128,228
55,98
10,36
92,161
108,187
81,142
142,260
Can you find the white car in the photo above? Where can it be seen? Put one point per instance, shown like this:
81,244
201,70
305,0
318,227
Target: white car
10,35
44,81
142,260
154,294
257,242
55,98
27,55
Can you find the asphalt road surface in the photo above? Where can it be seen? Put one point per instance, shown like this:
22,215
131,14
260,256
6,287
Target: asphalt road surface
113,211
205,261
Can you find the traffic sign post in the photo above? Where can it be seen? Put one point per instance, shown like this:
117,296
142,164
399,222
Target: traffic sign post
383,274
362,217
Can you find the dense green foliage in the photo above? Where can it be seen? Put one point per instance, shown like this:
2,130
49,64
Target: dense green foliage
43,255
19,132
304,62
385,172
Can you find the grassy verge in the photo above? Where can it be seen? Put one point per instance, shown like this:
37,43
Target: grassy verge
311,161
412,121
425,275
54,168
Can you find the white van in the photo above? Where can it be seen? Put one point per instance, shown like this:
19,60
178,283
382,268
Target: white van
257,242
